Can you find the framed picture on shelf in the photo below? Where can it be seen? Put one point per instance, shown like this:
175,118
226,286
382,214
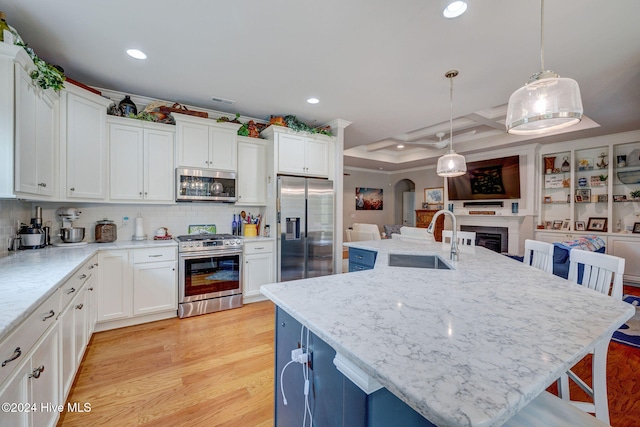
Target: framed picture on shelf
565,224
597,224
619,197
636,227
557,224
578,198
603,198
548,225
547,199
579,225
585,195
434,196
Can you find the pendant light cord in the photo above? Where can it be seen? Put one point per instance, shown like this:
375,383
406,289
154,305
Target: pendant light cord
451,114
541,35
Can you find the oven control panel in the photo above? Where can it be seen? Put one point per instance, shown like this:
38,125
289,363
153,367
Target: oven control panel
212,244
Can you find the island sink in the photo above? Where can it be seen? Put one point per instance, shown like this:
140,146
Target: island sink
418,261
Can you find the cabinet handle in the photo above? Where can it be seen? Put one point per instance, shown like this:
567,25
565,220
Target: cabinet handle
82,276
154,256
96,264
79,306
72,189
49,316
42,184
260,248
359,257
36,372
70,291
16,353
91,288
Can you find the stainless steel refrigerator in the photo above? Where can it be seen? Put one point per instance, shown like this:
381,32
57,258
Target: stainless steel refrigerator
305,227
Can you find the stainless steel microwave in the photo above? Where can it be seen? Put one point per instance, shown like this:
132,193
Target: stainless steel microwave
205,185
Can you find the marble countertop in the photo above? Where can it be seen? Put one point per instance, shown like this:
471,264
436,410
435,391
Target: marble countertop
29,277
463,347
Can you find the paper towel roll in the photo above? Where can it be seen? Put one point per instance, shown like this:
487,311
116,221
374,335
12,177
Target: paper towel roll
139,227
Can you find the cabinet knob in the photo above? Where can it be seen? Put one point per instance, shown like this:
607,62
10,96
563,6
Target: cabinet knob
71,290
72,189
145,193
79,306
91,288
140,193
42,184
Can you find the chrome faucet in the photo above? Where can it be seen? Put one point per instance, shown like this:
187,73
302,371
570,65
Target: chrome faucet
454,254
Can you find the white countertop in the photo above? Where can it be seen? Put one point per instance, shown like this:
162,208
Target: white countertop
29,277
463,347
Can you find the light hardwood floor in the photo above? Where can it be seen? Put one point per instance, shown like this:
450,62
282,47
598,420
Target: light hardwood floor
210,370
217,370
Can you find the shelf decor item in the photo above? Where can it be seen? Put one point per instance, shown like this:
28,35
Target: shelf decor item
622,161
584,194
549,164
603,198
579,225
566,167
636,227
619,198
635,195
597,224
629,177
585,164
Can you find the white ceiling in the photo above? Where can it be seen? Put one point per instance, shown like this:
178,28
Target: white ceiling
377,63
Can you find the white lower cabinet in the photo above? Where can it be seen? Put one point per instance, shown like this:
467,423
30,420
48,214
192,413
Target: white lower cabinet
34,384
137,286
154,287
629,249
258,268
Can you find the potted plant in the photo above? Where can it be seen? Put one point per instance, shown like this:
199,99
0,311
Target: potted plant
635,194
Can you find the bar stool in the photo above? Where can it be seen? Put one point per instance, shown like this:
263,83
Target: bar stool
602,273
539,255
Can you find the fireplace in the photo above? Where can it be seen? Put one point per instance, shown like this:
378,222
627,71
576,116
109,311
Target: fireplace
494,238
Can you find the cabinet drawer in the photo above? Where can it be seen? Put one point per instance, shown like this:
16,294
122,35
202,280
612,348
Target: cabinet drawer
72,286
258,247
362,257
154,255
26,335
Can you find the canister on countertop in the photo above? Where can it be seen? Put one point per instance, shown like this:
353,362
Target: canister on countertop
106,231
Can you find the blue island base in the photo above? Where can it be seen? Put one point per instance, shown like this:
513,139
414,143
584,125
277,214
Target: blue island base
333,399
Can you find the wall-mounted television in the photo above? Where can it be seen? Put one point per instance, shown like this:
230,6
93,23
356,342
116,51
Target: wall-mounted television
487,180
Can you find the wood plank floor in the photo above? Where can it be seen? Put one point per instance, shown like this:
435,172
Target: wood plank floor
217,370
211,370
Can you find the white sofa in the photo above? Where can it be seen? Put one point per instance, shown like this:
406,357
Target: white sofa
361,232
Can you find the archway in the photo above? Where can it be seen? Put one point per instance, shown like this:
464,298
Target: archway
400,212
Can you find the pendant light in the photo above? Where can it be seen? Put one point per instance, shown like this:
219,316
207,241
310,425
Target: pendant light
546,102
451,164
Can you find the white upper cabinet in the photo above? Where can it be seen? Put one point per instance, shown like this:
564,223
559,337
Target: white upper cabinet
252,171
83,139
35,137
297,154
141,161
206,144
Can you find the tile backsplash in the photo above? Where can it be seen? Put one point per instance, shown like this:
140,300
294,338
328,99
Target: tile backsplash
176,217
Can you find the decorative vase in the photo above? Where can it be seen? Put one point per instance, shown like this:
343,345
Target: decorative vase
126,106
582,182
549,164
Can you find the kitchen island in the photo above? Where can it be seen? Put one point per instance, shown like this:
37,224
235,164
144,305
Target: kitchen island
469,346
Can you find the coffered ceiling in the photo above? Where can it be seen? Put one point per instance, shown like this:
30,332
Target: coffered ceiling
376,63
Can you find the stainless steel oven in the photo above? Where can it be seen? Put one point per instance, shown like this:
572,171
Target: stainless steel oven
210,273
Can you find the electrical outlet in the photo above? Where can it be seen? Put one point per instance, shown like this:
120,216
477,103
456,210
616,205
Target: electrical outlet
125,221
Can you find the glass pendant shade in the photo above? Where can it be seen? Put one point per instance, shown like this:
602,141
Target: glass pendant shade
544,105
451,164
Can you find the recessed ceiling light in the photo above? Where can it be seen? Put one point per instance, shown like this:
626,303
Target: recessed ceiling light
454,9
313,100
400,146
135,53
